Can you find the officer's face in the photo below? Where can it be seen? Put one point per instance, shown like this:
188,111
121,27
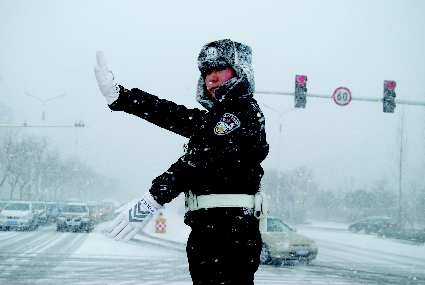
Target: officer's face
217,77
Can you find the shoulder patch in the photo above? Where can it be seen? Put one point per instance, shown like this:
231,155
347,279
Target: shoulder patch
227,124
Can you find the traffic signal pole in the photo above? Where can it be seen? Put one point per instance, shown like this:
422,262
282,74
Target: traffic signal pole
398,101
343,98
400,174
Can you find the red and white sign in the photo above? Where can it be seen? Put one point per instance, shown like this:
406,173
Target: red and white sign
342,96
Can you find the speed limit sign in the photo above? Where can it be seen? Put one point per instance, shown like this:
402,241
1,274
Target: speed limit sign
342,96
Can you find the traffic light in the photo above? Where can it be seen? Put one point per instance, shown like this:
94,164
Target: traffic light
389,96
300,91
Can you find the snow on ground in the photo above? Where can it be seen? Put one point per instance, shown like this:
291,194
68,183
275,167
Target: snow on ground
338,233
49,257
104,247
344,257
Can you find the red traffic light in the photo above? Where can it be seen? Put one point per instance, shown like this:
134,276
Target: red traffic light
301,79
300,91
390,84
389,96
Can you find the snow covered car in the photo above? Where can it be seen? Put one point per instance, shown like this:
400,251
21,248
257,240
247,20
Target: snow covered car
373,225
18,215
282,244
74,217
40,209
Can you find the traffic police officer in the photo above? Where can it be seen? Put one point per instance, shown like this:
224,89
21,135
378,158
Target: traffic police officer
219,173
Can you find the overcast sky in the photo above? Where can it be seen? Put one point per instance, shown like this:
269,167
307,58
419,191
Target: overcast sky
48,48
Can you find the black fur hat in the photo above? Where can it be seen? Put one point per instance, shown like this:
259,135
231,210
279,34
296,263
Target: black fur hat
221,54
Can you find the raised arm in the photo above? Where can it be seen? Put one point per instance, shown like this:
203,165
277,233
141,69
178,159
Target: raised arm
161,112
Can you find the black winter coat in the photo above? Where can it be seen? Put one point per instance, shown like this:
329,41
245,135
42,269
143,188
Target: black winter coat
226,144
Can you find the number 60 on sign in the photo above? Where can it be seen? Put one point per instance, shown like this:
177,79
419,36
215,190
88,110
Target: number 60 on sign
342,96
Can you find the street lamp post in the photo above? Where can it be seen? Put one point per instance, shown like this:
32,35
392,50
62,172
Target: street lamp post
44,101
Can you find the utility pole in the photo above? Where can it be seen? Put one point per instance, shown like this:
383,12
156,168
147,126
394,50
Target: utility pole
400,172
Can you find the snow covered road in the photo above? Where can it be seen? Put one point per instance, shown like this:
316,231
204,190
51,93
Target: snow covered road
49,257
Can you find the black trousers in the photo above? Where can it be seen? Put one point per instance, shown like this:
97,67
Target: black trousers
224,251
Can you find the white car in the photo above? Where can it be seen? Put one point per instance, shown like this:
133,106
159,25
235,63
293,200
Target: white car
74,217
18,215
282,244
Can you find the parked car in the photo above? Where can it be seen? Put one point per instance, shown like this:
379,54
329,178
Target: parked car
412,235
18,215
74,217
282,244
372,225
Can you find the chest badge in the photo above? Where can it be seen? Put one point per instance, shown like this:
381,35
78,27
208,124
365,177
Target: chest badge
227,123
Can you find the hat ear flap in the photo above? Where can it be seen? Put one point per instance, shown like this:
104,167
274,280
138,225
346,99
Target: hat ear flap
201,95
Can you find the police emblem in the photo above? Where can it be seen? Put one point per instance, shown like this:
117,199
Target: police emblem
211,53
227,124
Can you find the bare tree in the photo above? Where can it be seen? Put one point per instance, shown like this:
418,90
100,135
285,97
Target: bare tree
30,170
6,158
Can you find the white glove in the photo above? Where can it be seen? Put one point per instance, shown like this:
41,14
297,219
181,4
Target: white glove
132,219
105,79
